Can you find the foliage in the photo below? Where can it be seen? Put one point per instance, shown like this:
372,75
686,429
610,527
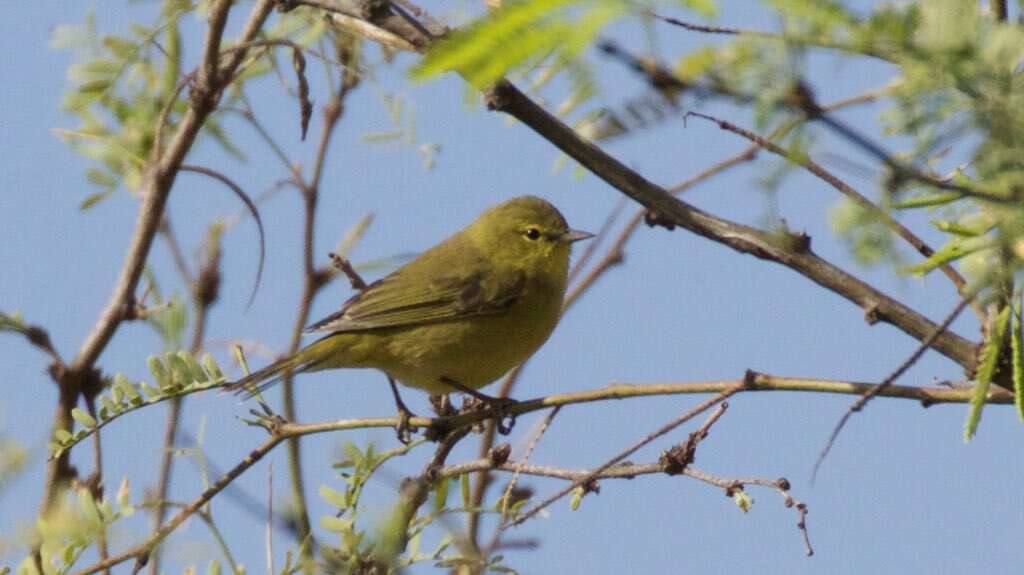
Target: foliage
176,375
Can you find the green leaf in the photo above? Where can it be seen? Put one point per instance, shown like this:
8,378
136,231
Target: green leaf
12,322
577,498
83,418
1018,363
954,249
927,200
335,524
743,500
195,371
152,393
957,228
706,8
441,495
180,375
336,498
212,368
159,371
62,435
127,389
487,48
93,199
109,405
986,370
124,493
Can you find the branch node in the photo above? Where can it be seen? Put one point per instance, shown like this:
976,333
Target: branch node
750,379
871,313
497,97
654,218
675,460
499,455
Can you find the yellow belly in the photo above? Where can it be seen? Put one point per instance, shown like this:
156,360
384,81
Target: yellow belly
473,351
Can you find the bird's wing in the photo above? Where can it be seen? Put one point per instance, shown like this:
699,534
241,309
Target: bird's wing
417,294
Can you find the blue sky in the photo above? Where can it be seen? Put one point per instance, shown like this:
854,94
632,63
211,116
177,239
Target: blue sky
900,493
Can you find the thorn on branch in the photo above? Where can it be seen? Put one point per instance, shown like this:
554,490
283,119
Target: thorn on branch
675,460
871,314
498,455
345,267
496,97
653,218
750,379
678,458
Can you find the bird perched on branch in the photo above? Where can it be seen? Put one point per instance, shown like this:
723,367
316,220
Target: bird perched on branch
457,317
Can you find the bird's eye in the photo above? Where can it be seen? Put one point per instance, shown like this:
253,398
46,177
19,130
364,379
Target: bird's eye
532,234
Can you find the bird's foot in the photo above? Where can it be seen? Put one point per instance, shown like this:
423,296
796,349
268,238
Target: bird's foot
403,430
442,405
497,407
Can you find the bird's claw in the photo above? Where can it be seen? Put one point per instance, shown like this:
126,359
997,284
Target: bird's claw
403,430
497,407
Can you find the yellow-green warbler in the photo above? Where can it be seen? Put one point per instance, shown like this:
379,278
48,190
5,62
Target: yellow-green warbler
457,317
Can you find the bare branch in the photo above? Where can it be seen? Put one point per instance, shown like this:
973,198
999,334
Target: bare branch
586,479
141,551
888,381
832,180
253,210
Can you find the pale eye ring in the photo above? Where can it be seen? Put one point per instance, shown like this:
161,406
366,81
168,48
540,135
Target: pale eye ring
532,234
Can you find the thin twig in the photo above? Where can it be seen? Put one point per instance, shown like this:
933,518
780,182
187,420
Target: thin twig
526,455
141,550
821,41
313,281
887,383
831,179
800,100
926,396
253,211
690,414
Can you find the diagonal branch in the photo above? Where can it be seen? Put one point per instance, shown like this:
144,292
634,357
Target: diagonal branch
796,254
586,479
828,177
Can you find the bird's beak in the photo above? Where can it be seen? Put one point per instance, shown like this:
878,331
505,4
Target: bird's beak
575,236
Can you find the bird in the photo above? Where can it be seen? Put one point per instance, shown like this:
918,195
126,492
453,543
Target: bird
457,317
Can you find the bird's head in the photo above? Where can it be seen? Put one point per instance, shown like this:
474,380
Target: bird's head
526,232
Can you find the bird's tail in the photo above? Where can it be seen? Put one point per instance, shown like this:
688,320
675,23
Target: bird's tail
263,379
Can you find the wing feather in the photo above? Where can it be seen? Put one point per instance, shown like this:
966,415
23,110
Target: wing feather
417,293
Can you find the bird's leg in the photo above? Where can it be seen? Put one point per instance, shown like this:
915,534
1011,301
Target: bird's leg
403,429
499,405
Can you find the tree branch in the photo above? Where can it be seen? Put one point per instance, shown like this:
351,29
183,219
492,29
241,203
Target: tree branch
141,551
828,177
586,479
795,255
